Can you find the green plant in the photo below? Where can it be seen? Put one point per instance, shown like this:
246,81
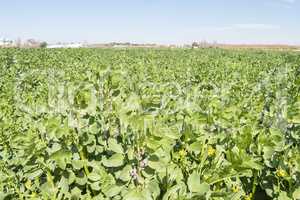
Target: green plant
149,124
43,45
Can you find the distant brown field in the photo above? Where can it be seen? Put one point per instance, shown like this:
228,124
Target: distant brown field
261,46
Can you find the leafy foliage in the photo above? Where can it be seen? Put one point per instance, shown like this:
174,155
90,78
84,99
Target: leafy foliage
149,124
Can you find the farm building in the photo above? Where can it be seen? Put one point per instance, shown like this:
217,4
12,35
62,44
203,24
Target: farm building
56,46
5,42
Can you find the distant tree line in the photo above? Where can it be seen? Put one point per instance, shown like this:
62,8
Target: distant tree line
204,44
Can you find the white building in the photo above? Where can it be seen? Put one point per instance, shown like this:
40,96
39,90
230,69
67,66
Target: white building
5,42
56,46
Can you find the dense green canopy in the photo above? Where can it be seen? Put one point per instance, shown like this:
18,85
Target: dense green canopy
149,124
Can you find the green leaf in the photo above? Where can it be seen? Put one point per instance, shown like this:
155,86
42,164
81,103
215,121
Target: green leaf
166,131
48,189
76,193
251,164
35,174
114,146
195,147
94,176
4,195
156,164
72,177
283,196
94,129
77,164
268,152
174,191
195,186
124,174
99,197
130,153
62,157
175,173
153,188
296,194
95,186
136,194
81,180
115,160
113,191
63,185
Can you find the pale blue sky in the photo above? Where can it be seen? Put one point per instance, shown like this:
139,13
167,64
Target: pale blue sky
147,21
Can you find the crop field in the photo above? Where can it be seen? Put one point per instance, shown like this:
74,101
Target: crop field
149,124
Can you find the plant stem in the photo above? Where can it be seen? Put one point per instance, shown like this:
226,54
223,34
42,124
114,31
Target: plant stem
82,157
85,167
254,183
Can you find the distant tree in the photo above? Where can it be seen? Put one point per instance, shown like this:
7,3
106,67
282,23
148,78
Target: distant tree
195,45
43,45
32,43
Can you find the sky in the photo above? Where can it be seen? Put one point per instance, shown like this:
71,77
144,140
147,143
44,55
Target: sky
152,21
